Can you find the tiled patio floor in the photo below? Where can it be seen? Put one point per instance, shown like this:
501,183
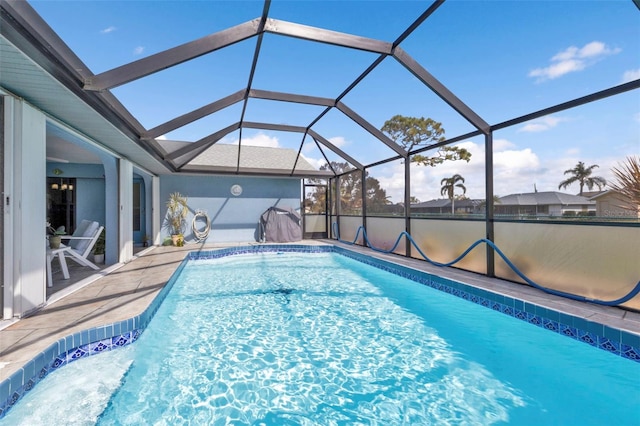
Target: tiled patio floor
126,292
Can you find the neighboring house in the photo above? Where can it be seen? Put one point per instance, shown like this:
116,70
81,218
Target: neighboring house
610,204
443,206
549,203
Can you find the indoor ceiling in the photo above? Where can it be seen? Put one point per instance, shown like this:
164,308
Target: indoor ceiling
60,150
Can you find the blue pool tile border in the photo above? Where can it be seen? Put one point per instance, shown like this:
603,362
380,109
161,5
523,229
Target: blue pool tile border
112,336
618,342
79,345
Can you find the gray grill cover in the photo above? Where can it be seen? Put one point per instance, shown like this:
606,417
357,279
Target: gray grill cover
281,225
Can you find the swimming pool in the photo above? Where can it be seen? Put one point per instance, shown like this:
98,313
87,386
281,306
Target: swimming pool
347,345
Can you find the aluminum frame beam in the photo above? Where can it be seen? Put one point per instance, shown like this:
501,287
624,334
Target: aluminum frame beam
460,138
603,94
324,156
197,147
322,35
23,14
289,97
254,64
276,127
440,89
256,171
24,28
171,57
194,115
335,149
434,6
203,143
295,164
371,129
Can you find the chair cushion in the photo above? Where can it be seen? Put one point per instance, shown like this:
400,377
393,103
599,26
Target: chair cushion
86,228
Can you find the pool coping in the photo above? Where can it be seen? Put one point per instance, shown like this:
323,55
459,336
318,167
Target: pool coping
612,329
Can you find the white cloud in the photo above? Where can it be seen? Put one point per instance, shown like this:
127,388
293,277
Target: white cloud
502,144
315,162
516,160
542,124
515,170
391,178
631,75
573,59
309,146
533,127
338,141
162,138
557,70
259,140
108,30
138,50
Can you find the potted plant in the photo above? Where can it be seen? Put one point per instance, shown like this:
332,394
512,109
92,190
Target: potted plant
98,248
55,235
177,211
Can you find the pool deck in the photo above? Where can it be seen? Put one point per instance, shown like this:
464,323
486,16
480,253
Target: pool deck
124,291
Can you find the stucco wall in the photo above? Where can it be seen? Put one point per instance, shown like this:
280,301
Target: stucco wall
233,218
90,201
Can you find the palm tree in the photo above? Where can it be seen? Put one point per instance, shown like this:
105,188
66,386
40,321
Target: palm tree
627,182
582,174
449,186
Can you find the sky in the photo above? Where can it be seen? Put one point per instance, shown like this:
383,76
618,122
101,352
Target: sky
503,59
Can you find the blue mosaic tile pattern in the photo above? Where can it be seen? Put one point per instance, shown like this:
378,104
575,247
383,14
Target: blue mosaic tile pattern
621,343
16,390
77,346
113,336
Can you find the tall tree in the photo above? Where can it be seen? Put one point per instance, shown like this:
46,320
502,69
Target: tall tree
315,200
627,181
351,190
413,132
582,174
449,186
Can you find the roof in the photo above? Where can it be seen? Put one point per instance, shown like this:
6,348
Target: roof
543,198
599,194
592,194
445,202
225,156
432,204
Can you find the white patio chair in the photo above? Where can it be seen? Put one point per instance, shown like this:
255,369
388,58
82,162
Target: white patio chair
82,241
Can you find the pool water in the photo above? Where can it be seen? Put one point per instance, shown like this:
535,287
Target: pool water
318,338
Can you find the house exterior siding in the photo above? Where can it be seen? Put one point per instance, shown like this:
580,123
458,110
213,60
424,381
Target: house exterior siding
611,205
233,218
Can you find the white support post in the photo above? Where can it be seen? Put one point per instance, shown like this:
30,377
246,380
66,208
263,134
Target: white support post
7,200
156,223
24,202
125,216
